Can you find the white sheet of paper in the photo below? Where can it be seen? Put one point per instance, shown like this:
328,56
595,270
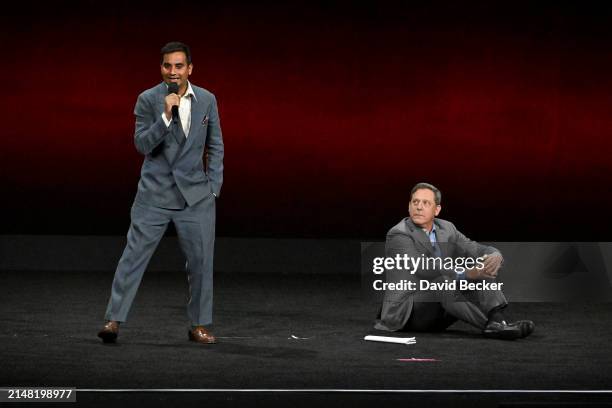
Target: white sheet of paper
385,339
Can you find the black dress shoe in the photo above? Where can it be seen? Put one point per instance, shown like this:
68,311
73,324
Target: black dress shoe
526,326
502,330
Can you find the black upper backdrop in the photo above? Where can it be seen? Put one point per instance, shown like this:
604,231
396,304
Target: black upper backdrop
331,111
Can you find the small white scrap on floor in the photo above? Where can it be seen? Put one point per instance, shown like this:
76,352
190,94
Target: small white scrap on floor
385,339
298,338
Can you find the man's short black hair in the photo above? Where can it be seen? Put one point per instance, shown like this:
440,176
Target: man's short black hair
175,46
420,186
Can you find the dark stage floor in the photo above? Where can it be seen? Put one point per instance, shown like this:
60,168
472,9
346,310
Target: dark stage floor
285,332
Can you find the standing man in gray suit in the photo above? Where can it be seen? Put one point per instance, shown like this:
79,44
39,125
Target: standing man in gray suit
419,308
177,125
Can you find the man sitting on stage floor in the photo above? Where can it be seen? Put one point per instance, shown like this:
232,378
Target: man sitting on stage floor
431,302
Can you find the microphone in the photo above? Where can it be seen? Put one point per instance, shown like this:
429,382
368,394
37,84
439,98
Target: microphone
173,89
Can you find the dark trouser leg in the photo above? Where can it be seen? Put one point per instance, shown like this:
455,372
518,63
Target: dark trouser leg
429,316
435,308
472,306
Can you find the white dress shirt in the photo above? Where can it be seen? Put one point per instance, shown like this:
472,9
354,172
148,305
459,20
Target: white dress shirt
184,110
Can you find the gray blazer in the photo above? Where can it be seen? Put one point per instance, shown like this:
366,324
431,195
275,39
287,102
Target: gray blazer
407,238
173,169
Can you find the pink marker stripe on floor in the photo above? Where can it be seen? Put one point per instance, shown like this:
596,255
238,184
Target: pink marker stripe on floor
418,360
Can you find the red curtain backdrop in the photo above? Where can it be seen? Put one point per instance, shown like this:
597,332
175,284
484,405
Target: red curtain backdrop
330,114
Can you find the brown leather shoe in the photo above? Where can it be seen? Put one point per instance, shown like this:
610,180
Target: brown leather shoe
109,332
201,335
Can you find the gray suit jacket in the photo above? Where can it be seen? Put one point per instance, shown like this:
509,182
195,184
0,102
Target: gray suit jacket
173,169
407,238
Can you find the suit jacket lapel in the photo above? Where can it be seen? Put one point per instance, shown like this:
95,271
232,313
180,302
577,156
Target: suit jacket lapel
197,115
421,238
161,102
442,236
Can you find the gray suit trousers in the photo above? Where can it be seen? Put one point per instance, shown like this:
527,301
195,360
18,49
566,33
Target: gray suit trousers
436,310
195,227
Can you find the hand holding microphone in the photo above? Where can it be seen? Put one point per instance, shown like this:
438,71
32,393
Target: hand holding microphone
172,101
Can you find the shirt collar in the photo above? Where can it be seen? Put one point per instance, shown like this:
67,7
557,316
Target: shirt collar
189,91
433,229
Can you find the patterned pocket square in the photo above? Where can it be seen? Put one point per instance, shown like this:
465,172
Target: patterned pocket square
205,121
